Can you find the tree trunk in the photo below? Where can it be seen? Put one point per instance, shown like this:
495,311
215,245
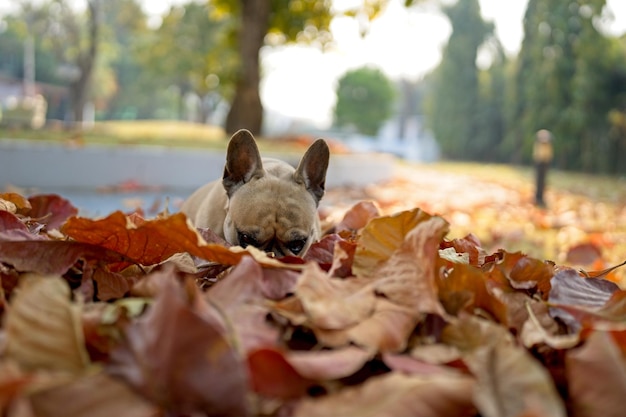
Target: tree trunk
79,89
246,110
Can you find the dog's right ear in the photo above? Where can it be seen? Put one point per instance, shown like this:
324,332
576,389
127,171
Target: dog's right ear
243,161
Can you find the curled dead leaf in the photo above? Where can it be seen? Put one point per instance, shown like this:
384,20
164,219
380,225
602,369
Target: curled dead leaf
510,382
150,242
395,394
334,303
7,206
51,209
179,355
382,237
43,326
21,204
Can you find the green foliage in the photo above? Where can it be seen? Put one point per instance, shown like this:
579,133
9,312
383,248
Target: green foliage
364,100
456,92
191,51
569,79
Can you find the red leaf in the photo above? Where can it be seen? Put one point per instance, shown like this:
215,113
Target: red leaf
9,221
271,375
583,254
358,216
50,257
241,295
51,209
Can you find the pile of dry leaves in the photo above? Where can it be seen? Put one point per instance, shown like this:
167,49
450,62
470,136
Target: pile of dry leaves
384,317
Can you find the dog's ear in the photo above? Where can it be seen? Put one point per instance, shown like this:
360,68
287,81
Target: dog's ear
312,169
243,161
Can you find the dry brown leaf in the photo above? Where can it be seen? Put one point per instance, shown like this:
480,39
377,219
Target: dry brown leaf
150,242
358,216
44,327
328,364
382,237
333,303
8,206
407,278
386,330
241,299
51,209
596,373
179,355
465,288
96,395
510,382
21,204
395,394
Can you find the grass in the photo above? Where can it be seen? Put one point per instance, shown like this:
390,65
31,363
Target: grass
114,133
603,188
168,133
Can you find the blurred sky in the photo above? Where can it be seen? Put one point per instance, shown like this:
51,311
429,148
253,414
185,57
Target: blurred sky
300,82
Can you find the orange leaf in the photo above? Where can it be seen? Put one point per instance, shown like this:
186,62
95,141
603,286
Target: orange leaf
382,237
149,242
271,375
21,203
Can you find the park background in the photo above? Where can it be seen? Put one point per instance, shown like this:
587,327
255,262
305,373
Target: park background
459,86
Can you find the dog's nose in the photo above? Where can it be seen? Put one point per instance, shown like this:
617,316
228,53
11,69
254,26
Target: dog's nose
273,250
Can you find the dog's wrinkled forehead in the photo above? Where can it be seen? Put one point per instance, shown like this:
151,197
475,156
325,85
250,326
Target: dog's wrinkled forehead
275,204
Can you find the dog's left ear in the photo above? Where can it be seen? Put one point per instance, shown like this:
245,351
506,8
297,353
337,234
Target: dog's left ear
312,169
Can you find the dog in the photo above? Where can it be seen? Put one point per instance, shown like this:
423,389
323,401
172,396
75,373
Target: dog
263,202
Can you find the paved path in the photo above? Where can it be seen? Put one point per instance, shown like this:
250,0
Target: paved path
101,179
44,165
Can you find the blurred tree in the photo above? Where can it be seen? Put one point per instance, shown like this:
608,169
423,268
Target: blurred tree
568,79
287,21
72,36
364,100
124,33
12,52
491,117
305,21
456,99
201,40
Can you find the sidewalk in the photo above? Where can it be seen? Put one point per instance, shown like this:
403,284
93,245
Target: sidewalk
45,165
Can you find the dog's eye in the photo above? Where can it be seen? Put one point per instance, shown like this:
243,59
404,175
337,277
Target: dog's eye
296,246
246,240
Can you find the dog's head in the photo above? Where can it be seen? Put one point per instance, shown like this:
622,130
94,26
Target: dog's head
271,205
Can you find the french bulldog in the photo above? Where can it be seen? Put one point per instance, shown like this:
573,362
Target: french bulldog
263,202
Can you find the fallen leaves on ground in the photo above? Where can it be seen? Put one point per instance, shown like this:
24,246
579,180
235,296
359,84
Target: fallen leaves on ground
385,316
